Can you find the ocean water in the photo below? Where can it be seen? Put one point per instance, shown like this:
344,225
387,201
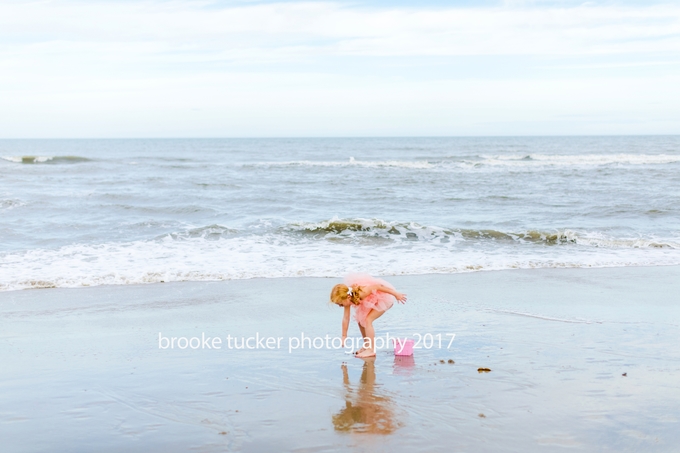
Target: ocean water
91,212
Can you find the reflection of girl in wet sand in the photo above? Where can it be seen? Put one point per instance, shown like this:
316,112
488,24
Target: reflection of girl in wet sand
371,297
365,411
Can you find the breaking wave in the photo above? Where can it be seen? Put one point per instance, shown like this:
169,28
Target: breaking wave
374,228
323,249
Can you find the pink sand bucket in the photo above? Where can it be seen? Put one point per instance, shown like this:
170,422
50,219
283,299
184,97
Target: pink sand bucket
403,346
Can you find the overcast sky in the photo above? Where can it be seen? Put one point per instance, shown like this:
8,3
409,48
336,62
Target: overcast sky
381,68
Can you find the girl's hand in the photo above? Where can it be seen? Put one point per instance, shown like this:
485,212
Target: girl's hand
401,297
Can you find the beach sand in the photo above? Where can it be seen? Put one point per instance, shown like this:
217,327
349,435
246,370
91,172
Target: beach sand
580,360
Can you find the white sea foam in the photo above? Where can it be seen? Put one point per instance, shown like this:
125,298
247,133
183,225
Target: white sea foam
600,240
237,257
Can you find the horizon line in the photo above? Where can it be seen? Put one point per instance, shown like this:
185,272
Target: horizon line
302,137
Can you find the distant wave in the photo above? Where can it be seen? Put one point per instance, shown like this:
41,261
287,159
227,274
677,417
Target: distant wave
44,159
349,163
517,161
11,204
525,160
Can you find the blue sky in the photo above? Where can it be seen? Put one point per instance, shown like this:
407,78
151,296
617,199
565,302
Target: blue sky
251,69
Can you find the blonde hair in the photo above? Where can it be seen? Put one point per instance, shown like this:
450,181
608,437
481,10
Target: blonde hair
340,292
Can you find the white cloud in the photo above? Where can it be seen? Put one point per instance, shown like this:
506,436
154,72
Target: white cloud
329,28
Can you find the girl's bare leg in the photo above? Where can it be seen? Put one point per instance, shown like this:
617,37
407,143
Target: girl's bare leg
363,335
370,333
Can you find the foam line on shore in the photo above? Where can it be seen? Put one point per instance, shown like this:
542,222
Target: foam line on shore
542,317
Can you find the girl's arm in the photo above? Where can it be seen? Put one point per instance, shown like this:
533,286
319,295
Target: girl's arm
399,296
345,324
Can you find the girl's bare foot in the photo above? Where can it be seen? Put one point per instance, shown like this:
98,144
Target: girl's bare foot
359,351
366,353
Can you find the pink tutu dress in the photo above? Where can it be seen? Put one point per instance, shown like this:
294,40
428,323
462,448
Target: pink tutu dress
377,300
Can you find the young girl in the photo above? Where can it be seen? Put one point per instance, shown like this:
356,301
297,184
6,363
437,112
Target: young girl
371,297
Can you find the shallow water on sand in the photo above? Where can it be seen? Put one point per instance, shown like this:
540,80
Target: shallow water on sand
85,365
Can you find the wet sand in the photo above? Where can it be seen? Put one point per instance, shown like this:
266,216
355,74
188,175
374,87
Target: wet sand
580,359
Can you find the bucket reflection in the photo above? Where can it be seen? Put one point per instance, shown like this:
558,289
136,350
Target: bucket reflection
404,365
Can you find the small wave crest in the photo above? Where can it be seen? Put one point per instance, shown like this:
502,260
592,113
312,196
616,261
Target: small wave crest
209,233
44,159
351,162
10,204
519,162
575,160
